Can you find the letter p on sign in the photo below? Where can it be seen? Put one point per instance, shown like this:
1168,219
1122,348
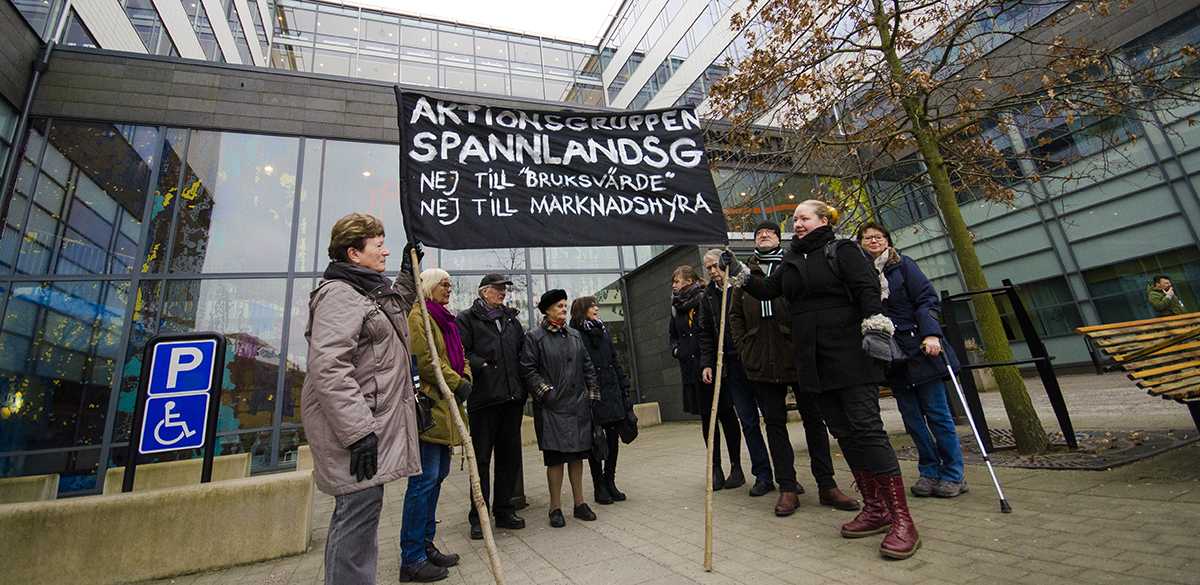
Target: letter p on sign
183,359
182,367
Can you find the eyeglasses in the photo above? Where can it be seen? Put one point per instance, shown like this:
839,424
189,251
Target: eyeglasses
874,238
445,285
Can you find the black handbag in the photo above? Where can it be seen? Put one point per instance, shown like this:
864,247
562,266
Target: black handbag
627,429
599,441
424,411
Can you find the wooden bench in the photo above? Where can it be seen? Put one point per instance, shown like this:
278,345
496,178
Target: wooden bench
1162,355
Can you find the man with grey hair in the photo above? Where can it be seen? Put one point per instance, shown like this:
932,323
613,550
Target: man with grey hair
492,336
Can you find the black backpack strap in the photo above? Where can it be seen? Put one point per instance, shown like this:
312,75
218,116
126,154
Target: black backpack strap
831,257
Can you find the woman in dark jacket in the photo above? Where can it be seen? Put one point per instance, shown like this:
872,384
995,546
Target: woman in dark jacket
687,291
560,376
833,294
917,385
614,394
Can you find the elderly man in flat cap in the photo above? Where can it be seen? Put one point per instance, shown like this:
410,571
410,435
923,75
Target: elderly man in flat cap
492,336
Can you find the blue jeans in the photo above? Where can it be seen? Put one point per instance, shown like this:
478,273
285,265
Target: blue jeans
927,416
419,523
745,401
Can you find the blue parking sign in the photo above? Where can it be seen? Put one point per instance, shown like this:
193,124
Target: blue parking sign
174,422
180,367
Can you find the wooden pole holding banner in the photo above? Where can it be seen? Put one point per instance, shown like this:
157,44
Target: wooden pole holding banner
712,426
485,519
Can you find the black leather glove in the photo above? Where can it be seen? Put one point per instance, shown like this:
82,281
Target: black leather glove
463,391
406,265
735,266
364,457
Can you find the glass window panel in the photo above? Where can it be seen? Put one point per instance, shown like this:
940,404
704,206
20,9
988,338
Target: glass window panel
297,350
503,260
307,252
257,444
418,73
76,468
237,204
144,319
491,48
558,90
331,62
525,53
581,257
362,178
553,57
380,29
58,341
454,43
496,83
289,445
165,195
415,36
378,68
458,79
336,25
529,87
291,19
250,313
291,57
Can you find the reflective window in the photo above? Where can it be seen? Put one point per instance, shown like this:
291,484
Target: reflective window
88,200
416,36
528,87
455,42
58,351
1120,289
297,350
250,314
308,255
418,73
378,68
236,204
291,57
458,78
492,82
580,257
363,178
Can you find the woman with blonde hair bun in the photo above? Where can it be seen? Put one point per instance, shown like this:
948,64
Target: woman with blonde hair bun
833,292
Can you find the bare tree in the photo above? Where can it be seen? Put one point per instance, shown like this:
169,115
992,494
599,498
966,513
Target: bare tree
927,96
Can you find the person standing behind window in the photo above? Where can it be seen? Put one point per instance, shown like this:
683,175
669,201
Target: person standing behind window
492,336
1162,298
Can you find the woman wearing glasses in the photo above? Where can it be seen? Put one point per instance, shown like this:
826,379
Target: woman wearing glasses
917,385
420,560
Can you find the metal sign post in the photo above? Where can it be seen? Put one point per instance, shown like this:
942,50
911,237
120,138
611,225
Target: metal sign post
179,394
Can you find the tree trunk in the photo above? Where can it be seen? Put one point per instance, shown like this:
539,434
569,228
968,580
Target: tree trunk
1026,427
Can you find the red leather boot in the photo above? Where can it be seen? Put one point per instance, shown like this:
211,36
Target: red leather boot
902,540
874,517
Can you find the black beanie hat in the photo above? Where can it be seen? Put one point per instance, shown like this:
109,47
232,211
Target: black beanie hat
768,225
550,297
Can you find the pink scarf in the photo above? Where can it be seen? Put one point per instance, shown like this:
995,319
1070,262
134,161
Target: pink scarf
445,321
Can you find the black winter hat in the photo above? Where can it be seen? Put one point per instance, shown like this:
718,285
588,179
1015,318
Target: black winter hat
768,225
550,297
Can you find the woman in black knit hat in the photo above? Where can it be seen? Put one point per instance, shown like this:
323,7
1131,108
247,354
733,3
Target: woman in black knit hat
559,375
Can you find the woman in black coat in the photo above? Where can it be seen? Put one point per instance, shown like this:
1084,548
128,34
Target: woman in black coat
614,394
559,375
687,291
834,296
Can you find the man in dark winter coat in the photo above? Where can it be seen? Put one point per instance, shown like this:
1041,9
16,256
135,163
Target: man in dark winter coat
763,336
734,381
492,336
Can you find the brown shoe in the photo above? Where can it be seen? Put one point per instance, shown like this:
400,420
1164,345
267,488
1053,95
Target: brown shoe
834,497
786,506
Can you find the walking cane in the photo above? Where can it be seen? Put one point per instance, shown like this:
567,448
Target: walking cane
476,491
962,398
712,427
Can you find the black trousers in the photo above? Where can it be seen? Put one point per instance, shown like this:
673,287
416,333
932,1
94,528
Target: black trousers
607,467
728,421
852,414
497,430
773,402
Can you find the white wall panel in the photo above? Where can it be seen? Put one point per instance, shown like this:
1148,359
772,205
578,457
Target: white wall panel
629,44
705,53
220,26
678,27
109,25
179,27
248,29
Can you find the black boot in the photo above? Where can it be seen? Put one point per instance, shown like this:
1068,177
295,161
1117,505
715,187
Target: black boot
718,477
736,478
436,557
598,485
612,486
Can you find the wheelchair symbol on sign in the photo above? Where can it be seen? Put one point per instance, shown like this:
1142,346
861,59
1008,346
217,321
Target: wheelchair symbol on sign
169,421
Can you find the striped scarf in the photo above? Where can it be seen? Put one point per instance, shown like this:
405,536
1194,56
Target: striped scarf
768,261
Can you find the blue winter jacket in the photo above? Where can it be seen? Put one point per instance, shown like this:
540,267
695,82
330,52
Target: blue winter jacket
911,298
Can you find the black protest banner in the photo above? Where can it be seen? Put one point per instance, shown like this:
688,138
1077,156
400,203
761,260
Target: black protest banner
476,176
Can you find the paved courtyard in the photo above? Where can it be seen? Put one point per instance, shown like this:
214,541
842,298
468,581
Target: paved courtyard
1136,523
